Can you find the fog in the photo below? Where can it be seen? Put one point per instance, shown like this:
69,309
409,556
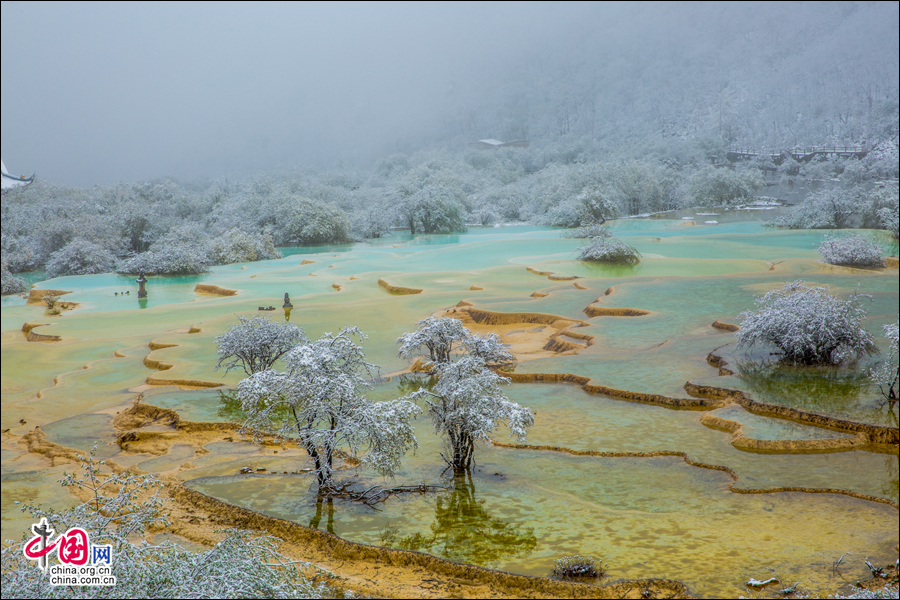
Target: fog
98,93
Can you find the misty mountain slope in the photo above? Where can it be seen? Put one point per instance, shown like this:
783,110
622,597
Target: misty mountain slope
182,91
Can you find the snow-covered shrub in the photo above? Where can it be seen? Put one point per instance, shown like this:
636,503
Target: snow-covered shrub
466,405
887,375
236,246
120,508
314,222
255,344
172,260
853,250
828,208
594,231
372,221
609,250
882,201
80,257
10,283
565,214
807,325
317,402
571,567
435,208
890,220
713,186
183,250
18,255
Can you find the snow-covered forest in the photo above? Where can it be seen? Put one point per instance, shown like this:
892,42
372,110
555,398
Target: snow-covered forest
164,227
632,111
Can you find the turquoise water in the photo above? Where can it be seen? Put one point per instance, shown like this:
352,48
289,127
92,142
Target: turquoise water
650,517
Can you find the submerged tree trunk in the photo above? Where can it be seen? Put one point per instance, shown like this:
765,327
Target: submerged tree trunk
463,446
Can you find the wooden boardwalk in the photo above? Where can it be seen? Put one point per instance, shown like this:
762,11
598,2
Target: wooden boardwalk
798,154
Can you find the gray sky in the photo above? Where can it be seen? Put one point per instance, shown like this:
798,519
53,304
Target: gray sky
96,93
99,93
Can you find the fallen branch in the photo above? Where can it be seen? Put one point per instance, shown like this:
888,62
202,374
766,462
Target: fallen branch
376,493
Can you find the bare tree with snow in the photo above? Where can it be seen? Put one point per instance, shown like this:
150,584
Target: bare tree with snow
466,405
317,402
442,337
255,344
887,375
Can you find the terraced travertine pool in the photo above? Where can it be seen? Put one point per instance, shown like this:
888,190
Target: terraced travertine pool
628,481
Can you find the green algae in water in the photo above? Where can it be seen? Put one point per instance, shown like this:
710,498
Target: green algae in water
82,432
647,517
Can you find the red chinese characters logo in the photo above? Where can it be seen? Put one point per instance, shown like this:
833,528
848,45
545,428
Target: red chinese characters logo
72,547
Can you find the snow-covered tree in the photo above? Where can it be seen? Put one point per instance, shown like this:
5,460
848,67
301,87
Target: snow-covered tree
255,344
466,405
712,186
609,249
171,260
887,375
807,325
318,403
890,220
236,246
883,202
852,250
829,208
184,250
10,283
119,510
444,336
311,221
80,257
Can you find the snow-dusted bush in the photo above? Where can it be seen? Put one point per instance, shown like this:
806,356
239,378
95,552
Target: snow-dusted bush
172,260
372,221
882,202
120,508
236,246
317,402
828,208
314,222
184,250
594,231
17,254
80,257
255,344
443,337
435,208
10,283
466,405
853,250
890,220
609,250
887,375
807,326
713,186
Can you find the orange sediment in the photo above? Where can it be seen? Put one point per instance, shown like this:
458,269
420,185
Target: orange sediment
213,290
725,326
398,290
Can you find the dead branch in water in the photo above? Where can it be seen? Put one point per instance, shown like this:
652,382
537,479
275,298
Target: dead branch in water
376,494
